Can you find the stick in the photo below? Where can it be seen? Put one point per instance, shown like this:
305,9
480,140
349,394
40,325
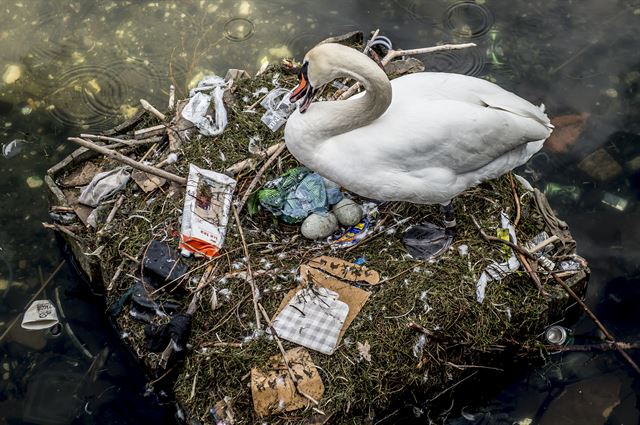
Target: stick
63,229
516,198
254,291
111,215
254,182
522,254
544,243
607,346
38,292
116,275
242,165
149,131
284,356
172,97
126,160
149,107
391,54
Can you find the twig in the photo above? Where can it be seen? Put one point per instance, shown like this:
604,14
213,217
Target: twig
472,366
150,131
116,275
38,292
453,386
516,199
256,179
150,108
254,291
242,165
284,356
510,244
544,243
607,346
435,337
111,215
126,160
172,97
392,54
63,229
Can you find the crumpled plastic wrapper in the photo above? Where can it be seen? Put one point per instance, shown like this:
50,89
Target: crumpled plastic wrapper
104,185
196,111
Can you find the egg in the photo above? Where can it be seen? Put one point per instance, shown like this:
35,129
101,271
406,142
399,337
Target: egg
348,212
318,226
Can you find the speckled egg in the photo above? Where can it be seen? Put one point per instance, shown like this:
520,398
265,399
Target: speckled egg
318,226
348,212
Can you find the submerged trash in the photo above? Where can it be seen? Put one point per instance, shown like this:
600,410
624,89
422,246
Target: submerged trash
196,110
600,165
206,211
615,201
273,390
12,148
427,241
34,182
562,192
296,194
566,132
558,335
41,314
104,185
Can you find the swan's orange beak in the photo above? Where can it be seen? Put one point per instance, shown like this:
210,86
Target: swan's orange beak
304,90
301,88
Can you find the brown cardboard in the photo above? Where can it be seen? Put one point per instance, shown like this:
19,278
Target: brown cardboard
345,270
272,384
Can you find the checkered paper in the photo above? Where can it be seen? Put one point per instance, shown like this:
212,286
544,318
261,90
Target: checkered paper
313,318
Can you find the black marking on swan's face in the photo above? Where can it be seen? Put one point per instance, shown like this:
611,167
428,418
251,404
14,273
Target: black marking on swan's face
304,89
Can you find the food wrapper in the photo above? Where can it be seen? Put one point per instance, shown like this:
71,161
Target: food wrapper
206,211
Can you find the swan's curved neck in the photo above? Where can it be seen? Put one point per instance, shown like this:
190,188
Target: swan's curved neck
340,116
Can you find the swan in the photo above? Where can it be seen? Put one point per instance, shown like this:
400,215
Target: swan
422,138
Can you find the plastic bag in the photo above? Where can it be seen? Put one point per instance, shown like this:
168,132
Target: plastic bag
196,110
104,185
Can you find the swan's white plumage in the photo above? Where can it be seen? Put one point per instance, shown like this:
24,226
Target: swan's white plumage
441,134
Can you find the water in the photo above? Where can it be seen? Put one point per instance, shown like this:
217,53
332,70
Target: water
72,66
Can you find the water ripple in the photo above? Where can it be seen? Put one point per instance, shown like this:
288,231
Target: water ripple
468,19
239,29
468,61
88,96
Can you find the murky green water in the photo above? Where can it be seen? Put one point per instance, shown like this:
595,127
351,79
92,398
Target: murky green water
69,66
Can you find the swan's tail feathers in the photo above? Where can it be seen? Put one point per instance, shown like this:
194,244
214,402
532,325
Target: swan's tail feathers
542,108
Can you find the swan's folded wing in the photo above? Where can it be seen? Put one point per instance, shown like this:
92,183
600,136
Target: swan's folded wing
455,135
445,86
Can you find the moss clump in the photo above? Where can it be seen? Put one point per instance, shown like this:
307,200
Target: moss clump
439,296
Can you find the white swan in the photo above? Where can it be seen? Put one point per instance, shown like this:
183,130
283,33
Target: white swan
422,138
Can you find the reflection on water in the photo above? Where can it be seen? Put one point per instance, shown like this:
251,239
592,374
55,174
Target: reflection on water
74,65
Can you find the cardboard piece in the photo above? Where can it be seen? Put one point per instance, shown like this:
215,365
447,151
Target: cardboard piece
273,390
147,182
354,297
600,165
345,270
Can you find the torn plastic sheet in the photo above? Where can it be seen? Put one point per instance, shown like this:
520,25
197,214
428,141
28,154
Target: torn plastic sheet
495,270
196,110
104,185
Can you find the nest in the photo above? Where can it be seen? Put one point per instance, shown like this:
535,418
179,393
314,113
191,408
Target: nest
439,296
